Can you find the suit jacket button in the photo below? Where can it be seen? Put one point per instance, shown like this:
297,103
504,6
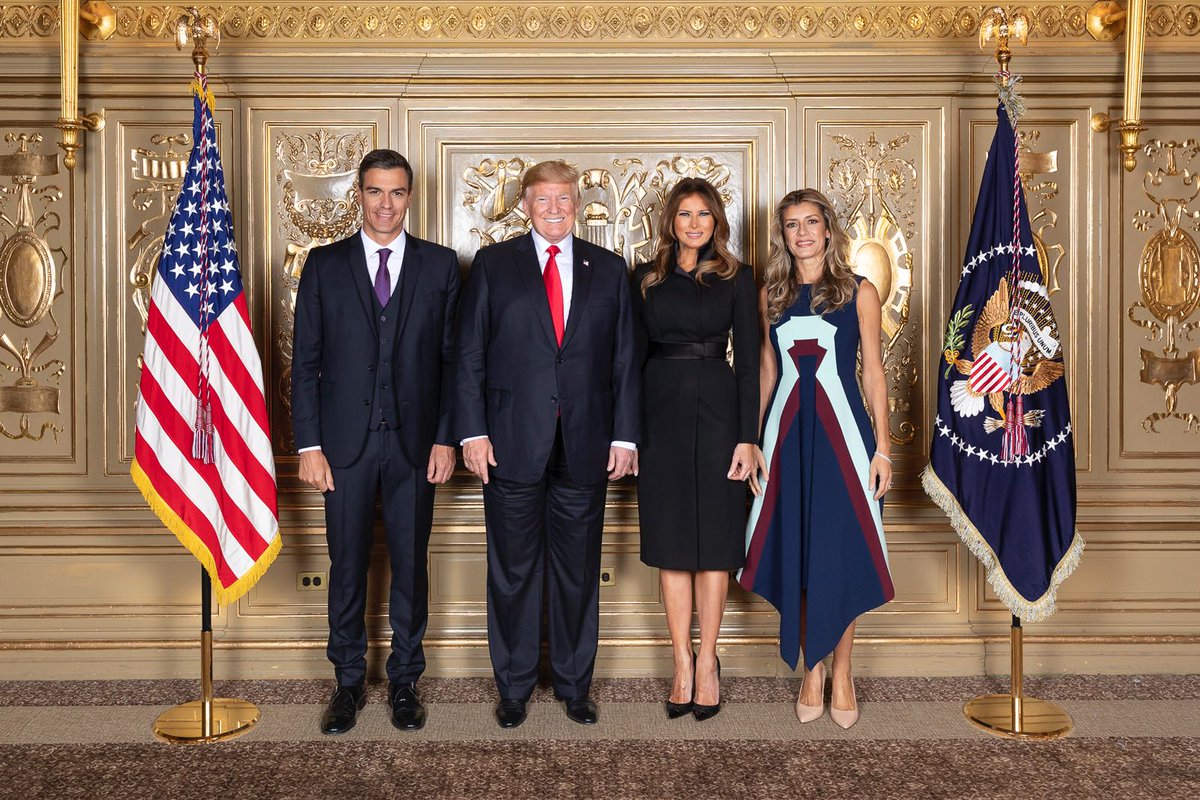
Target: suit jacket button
371,368
366,402
553,398
558,360
383,317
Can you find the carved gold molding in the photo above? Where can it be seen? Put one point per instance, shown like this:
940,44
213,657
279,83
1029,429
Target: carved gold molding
577,21
619,201
30,282
1169,276
1039,192
877,192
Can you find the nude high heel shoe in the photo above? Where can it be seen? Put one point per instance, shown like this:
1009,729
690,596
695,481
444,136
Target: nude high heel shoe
845,718
805,713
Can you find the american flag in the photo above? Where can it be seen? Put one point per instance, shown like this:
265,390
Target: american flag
202,454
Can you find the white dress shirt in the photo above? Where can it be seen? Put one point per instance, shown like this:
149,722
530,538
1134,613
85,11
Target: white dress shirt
371,249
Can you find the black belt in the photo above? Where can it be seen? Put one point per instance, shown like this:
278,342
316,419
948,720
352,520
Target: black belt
687,350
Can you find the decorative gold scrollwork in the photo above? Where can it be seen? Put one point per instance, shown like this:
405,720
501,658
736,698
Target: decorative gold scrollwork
1041,190
1169,276
875,190
618,202
159,178
318,205
30,281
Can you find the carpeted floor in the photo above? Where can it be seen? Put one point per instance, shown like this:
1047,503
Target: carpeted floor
1134,736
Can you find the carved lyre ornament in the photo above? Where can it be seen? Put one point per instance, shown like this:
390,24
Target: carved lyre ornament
875,191
316,175
30,282
1039,192
1169,276
619,201
158,179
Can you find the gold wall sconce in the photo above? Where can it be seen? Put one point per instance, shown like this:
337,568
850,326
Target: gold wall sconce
98,21
1105,22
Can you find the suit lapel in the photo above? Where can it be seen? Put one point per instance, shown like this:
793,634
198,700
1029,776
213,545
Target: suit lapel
359,276
409,269
579,292
535,287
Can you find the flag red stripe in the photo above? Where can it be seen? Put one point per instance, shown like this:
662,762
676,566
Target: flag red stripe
180,432
243,456
178,500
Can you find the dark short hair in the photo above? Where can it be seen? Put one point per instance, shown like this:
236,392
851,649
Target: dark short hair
384,159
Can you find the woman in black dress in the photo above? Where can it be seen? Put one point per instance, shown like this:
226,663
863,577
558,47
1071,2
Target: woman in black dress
699,426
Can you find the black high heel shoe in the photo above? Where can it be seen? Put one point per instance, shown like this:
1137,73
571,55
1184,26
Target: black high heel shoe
677,710
703,712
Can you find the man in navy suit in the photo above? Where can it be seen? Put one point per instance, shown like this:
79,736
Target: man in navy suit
547,407
371,391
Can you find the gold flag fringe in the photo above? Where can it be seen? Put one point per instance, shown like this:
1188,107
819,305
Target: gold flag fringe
1028,610
226,595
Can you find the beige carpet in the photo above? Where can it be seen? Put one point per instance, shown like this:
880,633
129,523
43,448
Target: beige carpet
1133,737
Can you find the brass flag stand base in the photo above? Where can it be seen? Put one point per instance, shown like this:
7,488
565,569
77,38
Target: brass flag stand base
209,719
1013,715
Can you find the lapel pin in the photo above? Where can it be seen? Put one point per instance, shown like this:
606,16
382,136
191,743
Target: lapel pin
585,263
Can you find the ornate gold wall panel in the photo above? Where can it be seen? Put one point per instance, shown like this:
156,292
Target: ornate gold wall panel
92,566
1159,210
37,300
548,21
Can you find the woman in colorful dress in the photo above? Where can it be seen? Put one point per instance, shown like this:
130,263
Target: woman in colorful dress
814,542
699,427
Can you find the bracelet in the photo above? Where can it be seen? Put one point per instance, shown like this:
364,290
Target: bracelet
881,455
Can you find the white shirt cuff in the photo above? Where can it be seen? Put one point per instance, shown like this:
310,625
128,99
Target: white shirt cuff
306,449
625,445
472,439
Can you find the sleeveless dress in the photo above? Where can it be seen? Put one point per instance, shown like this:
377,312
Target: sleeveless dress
816,529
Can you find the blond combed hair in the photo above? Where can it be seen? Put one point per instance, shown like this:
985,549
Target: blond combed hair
555,171
720,262
781,280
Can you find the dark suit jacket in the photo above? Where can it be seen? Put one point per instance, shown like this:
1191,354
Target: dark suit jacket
335,349
512,379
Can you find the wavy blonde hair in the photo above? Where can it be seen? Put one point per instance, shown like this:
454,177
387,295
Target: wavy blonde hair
720,262
554,171
835,288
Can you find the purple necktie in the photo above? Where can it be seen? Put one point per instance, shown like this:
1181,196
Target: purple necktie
383,286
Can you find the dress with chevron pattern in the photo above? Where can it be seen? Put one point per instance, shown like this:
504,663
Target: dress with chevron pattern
816,530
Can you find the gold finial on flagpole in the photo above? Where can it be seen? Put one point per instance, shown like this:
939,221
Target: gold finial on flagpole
200,30
1003,26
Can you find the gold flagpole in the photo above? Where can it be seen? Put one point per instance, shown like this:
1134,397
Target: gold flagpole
209,719
1013,715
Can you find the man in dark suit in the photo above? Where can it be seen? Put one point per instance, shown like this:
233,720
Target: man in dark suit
547,406
371,390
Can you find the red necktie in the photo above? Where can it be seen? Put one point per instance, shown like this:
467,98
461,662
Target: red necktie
554,291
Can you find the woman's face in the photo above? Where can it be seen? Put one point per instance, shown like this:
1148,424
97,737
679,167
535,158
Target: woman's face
694,223
804,231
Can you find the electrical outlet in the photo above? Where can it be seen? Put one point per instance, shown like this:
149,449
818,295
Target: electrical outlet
608,576
311,581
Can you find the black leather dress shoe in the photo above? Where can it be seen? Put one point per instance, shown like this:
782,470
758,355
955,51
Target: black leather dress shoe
510,713
581,710
342,711
408,714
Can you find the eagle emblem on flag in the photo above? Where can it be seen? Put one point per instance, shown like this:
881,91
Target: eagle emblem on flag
1020,357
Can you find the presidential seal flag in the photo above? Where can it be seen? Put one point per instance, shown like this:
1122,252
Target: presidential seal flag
202,453
1002,461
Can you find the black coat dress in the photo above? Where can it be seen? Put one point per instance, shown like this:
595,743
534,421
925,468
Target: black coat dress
695,410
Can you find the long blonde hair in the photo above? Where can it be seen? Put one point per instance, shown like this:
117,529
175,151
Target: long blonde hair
720,262
835,288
